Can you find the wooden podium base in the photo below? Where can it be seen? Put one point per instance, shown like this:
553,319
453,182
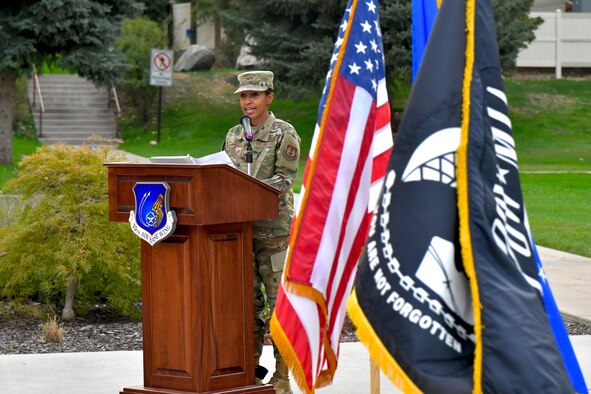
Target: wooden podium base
258,389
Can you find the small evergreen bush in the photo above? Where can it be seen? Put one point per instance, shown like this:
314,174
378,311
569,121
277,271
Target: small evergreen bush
62,240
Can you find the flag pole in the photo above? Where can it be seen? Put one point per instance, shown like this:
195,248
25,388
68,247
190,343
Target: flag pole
374,378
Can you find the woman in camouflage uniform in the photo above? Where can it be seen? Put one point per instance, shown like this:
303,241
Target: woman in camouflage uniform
276,153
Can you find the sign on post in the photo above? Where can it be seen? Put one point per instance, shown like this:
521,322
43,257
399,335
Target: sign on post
161,67
160,75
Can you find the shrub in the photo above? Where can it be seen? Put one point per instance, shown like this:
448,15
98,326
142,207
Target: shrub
62,241
52,330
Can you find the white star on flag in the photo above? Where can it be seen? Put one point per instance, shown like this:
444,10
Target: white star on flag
374,46
378,30
355,68
366,27
360,47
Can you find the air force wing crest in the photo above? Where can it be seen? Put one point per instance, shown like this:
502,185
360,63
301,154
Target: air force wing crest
152,220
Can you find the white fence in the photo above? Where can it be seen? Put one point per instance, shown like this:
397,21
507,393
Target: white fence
562,40
181,17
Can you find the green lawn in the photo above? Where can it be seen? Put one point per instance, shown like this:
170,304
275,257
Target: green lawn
551,123
551,126
552,129
20,146
559,209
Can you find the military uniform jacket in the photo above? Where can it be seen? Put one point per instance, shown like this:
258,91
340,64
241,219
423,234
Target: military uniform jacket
276,154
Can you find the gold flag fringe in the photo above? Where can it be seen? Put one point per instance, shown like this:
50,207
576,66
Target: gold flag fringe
289,355
281,340
462,191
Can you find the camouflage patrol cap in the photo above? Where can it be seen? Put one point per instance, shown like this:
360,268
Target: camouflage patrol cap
255,80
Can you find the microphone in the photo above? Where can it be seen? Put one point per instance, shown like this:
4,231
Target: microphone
245,122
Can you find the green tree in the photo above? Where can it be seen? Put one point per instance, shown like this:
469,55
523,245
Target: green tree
295,38
62,243
157,10
395,20
138,37
515,29
78,34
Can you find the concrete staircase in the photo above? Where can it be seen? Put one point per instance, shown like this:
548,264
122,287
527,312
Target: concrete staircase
74,110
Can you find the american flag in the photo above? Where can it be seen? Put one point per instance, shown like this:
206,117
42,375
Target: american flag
342,181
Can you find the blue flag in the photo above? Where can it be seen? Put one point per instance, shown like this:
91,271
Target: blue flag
423,17
557,325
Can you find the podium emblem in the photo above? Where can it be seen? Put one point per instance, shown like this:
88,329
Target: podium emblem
152,220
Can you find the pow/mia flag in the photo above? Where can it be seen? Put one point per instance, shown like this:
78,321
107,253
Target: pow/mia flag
447,296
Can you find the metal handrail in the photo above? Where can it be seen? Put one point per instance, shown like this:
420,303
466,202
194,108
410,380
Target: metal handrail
37,91
117,109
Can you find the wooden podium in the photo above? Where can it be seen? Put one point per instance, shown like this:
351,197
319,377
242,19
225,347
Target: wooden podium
197,284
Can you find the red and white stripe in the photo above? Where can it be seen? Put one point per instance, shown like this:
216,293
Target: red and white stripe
349,159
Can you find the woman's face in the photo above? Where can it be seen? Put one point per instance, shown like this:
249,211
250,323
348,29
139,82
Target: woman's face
255,105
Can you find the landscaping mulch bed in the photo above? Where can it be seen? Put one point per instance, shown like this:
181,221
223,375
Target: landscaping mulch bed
103,332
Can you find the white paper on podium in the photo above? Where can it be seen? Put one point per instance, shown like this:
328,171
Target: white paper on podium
172,159
215,158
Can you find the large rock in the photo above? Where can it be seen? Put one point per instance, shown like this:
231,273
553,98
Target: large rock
196,58
246,60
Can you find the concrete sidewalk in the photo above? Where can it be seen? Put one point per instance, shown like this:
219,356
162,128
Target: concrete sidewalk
110,372
570,280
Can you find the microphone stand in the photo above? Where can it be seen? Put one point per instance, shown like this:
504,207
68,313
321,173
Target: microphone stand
248,158
245,122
